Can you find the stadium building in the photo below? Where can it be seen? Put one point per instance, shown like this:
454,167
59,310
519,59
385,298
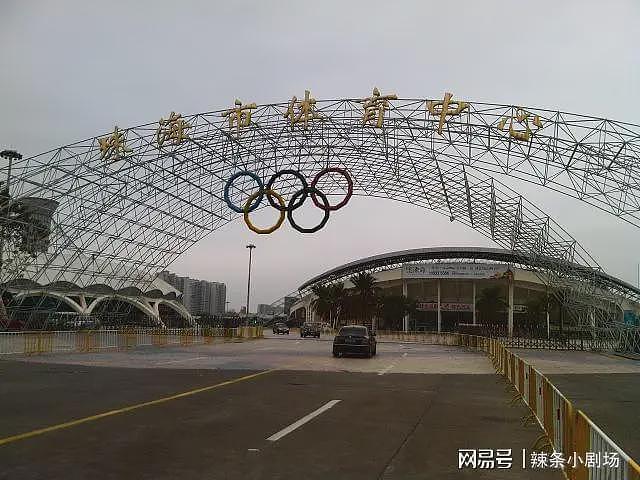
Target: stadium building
449,283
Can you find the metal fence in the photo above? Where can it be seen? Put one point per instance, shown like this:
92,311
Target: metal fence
31,343
567,430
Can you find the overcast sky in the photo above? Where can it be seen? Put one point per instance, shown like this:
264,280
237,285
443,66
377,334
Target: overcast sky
74,69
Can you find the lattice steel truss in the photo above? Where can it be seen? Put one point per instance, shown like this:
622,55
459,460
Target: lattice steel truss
122,218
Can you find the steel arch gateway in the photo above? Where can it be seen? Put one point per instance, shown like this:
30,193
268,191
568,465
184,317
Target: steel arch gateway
127,203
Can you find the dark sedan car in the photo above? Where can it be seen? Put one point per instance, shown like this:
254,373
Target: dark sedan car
310,330
356,340
280,328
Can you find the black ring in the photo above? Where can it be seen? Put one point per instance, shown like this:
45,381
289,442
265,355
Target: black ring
277,175
306,191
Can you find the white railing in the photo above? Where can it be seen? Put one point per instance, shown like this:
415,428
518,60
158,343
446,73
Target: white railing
31,343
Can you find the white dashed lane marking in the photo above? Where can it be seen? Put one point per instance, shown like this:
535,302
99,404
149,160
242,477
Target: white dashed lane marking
385,370
295,425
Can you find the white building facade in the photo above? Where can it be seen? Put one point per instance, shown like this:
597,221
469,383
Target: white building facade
200,297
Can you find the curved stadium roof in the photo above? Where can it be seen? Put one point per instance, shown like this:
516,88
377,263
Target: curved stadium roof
394,259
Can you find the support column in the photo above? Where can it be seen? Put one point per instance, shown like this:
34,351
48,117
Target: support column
474,302
510,320
548,326
83,303
439,312
405,319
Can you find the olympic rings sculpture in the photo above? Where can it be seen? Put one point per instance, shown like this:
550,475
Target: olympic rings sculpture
296,201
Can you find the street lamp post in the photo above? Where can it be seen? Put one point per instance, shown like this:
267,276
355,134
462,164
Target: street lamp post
246,313
10,155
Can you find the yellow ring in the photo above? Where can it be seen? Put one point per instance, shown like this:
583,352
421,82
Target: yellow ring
247,206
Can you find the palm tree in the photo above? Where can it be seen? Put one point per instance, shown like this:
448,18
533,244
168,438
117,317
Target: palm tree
337,301
393,308
490,303
536,309
366,293
322,303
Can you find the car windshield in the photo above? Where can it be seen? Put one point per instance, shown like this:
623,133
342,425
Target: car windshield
358,331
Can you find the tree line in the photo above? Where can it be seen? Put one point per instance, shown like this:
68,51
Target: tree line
338,306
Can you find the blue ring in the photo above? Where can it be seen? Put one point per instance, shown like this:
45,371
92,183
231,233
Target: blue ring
232,178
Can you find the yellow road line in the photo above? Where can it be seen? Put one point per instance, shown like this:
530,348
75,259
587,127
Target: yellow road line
73,423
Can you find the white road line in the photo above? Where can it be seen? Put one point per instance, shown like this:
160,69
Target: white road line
180,361
286,431
385,370
404,354
297,342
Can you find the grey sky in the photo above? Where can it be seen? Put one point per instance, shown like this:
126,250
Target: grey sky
73,69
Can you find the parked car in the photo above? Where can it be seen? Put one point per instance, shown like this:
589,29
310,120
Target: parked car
280,328
356,340
310,330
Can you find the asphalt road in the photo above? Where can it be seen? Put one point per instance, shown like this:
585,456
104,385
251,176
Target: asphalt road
401,415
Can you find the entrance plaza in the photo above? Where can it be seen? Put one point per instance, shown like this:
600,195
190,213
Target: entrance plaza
404,414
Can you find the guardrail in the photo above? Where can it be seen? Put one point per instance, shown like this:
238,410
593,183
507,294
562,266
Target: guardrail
32,343
567,430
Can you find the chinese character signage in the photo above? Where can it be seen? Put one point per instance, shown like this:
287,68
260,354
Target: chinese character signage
491,459
456,270
444,307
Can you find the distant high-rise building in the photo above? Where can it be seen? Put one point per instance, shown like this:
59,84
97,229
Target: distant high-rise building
200,297
288,302
265,309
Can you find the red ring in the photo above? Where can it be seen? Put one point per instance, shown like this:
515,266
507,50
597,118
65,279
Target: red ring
342,172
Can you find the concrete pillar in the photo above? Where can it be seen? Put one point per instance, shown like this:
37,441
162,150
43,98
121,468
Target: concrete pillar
83,302
439,312
548,326
474,302
405,320
510,321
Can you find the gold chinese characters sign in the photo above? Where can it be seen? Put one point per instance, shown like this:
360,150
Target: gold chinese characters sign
240,115
446,108
173,130
522,130
302,111
113,146
375,106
